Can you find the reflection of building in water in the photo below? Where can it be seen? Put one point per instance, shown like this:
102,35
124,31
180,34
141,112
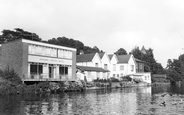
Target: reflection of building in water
146,90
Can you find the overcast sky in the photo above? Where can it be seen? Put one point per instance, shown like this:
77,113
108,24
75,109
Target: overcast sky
107,24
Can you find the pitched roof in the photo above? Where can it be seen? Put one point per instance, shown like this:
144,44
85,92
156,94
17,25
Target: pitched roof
101,55
85,57
110,56
96,69
123,58
143,50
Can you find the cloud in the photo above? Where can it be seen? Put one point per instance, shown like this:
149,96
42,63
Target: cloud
107,24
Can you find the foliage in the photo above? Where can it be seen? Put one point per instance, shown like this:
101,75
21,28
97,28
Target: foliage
74,44
173,75
10,75
113,79
10,35
150,63
126,78
175,68
121,51
137,80
17,33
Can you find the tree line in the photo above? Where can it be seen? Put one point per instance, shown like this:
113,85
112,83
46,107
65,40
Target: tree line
150,63
175,68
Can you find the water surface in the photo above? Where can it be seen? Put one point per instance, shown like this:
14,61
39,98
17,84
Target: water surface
126,101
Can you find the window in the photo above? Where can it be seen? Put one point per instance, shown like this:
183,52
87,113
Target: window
105,66
121,68
96,64
36,69
54,52
140,66
32,49
137,66
132,68
114,75
60,53
97,74
114,67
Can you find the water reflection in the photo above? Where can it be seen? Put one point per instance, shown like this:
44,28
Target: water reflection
127,101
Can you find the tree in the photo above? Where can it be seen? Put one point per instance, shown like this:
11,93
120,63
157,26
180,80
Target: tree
169,64
137,53
69,42
174,68
88,49
9,35
150,63
121,51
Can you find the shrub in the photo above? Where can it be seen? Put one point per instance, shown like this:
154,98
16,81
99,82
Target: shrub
113,79
126,78
10,75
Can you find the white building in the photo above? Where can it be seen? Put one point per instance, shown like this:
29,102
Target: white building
103,66
113,66
126,65
91,65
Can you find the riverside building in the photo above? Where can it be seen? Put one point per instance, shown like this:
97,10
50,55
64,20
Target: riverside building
38,61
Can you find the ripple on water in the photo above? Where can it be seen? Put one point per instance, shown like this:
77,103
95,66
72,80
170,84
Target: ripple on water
128,101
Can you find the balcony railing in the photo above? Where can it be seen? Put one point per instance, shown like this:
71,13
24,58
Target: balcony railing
47,77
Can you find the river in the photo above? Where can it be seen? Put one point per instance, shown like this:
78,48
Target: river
157,100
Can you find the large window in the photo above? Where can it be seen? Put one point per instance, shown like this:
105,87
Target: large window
64,54
63,70
48,51
121,67
36,69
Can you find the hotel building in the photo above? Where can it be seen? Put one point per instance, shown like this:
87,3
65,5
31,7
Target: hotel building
38,61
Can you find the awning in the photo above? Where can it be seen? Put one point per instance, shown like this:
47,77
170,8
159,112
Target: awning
96,69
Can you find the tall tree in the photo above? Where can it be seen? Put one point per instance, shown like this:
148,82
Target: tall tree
121,51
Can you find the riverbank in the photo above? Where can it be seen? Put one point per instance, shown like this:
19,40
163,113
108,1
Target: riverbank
9,88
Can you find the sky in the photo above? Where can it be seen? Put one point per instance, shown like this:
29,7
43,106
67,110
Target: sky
107,24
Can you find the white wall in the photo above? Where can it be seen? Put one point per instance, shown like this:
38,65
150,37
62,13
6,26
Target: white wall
112,62
127,67
145,77
130,63
96,59
105,60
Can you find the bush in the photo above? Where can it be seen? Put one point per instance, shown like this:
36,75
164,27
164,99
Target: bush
126,78
112,79
10,75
